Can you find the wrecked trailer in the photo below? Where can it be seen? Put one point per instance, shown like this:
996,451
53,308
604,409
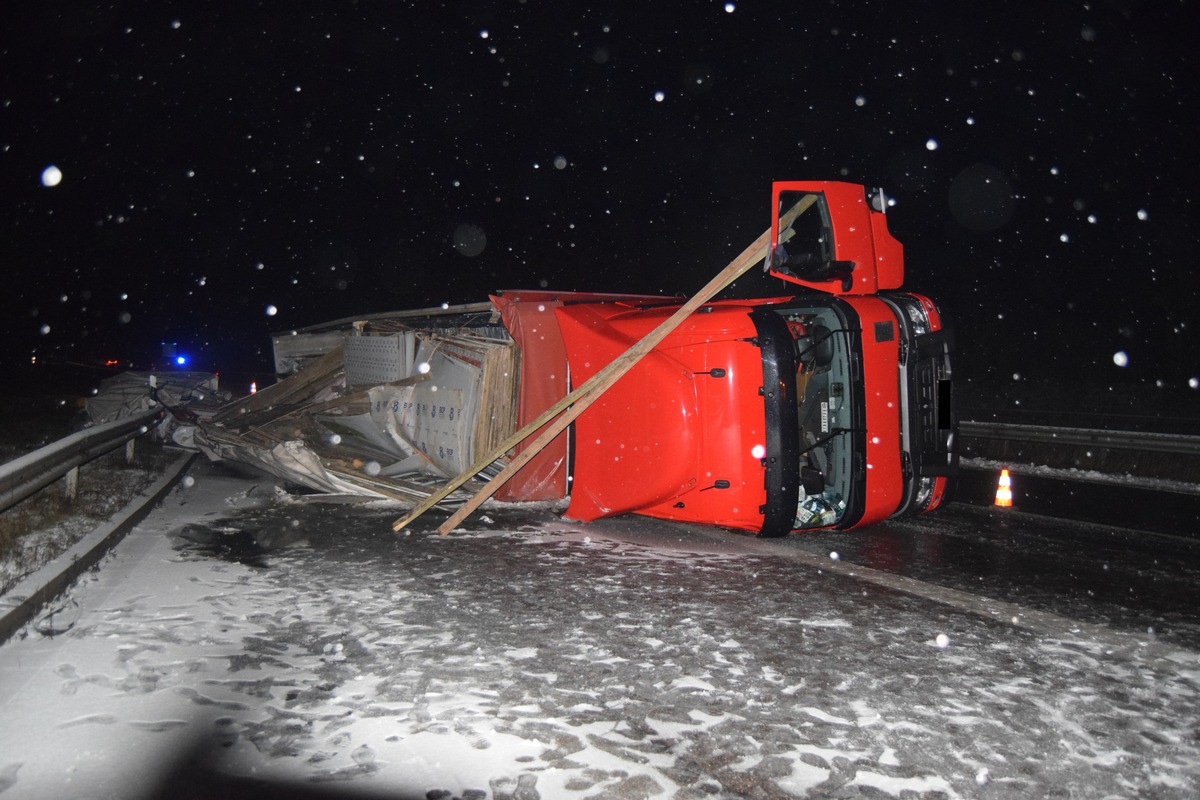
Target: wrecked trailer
375,406
389,406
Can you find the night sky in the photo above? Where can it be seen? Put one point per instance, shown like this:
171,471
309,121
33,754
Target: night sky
219,160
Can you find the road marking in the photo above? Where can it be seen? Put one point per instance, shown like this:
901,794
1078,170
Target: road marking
1018,616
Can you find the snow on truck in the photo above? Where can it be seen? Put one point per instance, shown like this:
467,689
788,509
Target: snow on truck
826,406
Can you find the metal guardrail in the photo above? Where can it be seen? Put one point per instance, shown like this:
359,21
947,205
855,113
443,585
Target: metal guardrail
32,472
1121,440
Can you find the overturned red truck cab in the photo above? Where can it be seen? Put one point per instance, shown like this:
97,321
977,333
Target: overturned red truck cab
831,407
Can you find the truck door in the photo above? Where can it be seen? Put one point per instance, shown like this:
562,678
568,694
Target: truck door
833,237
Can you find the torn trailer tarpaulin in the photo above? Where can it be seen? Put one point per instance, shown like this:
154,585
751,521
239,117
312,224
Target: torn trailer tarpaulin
189,396
543,382
291,460
129,394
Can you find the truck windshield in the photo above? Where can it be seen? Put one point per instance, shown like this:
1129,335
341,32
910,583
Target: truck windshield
824,410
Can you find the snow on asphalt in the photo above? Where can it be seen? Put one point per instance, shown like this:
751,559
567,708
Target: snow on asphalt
237,635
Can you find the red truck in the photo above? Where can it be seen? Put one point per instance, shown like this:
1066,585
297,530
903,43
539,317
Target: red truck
822,401
831,407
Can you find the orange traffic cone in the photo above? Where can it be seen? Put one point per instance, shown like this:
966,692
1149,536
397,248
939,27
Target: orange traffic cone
1004,490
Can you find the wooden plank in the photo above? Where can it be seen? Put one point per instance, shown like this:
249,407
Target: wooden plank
568,408
255,419
396,490
361,396
286,390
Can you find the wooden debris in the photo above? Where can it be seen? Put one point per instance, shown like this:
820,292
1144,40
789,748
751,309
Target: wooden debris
294,389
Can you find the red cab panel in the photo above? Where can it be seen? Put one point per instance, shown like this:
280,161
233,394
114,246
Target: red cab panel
833,237
636,446
680,436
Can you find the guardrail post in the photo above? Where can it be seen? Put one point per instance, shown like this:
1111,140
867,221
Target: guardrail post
129,451
72,486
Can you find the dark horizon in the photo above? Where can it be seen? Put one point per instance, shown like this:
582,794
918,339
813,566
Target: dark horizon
216,162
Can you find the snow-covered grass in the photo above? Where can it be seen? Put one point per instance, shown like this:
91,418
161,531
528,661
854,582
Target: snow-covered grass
37,529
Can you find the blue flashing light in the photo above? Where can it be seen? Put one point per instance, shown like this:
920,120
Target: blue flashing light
181,360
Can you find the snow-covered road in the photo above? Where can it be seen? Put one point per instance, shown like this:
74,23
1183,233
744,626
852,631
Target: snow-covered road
237,639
